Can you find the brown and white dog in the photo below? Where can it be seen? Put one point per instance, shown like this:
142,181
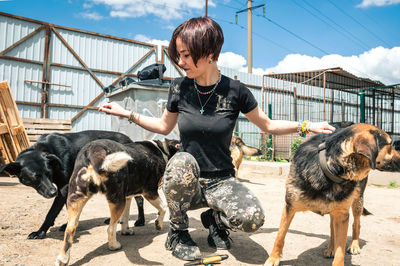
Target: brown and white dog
238,148
326,177
120,171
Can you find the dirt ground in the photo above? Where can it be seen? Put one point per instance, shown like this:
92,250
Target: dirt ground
22,211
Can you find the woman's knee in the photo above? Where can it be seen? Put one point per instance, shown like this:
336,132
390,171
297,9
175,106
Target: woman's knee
249,219
181,174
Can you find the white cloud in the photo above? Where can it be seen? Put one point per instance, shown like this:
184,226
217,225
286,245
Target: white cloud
91,15
165,9
232,60
379,63
367,3
159,43
87,5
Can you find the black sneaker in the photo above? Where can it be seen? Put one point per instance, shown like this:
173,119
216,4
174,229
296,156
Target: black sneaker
218,237
182,245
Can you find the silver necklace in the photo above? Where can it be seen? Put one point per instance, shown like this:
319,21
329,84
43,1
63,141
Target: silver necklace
202,106
211,92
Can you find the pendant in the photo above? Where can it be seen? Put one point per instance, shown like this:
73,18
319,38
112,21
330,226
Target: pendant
201,110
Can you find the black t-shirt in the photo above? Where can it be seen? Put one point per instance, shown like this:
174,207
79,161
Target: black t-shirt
207,136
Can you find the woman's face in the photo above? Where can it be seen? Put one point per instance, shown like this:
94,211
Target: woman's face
186,61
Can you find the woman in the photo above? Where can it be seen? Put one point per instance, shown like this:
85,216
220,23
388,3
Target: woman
206,105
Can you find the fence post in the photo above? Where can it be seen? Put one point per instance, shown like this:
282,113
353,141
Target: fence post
270,146
295,103
362,106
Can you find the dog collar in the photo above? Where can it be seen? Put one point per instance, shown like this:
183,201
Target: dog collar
324,164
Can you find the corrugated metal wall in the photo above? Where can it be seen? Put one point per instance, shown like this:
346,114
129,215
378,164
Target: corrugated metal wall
79,65
11,31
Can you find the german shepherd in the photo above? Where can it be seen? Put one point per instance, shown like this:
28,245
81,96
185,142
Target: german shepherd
325,177
120,171
238,148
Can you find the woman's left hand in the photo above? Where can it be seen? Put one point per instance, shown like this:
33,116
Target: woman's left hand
320,127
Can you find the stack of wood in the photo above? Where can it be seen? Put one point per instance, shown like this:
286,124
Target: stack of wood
35,127
13,137
17,134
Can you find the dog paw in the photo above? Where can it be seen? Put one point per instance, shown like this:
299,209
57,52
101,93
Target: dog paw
354,248
328,253
158,224
61,260
37,235
272,261
114,246
139,222
127,232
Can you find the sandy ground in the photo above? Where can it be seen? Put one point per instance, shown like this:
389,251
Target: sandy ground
22,211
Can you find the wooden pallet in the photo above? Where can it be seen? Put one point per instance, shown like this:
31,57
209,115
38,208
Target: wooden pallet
13,138
35,127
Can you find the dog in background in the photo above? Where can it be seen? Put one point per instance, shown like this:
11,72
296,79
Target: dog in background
120,171
50,162
238,148
325,177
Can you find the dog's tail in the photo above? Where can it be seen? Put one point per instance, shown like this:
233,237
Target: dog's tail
103,162
366,212
115,161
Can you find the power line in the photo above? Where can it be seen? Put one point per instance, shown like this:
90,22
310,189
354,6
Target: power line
297,36
352,37
257,34
356,21
292,33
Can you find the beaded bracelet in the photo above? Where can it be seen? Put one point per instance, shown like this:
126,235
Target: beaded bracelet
131,118
302,128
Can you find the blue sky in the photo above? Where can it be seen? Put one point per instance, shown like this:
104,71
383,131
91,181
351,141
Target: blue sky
361,36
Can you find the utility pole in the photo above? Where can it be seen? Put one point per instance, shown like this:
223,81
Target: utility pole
206,7
249,37
249,10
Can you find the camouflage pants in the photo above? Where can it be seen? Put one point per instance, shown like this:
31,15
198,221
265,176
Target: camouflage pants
185,190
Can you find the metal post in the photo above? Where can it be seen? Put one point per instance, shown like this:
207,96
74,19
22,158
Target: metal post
332,104
362,106
249,38
45,75
392,129
343,111
295,103
324,96
270,146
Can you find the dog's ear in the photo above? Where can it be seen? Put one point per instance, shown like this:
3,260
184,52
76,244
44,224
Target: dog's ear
54,161
13,168
367,146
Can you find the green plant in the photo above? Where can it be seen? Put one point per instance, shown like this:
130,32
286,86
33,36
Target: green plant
267,150
294,146
392,184
280,160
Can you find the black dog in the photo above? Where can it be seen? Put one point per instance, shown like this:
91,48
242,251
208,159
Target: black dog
51,161
120,172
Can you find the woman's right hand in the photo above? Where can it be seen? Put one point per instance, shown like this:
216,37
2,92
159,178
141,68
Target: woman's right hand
114,108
